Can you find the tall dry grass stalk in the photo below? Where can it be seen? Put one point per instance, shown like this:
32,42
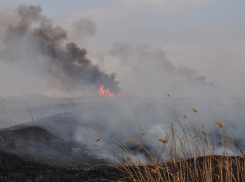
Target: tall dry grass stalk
188,153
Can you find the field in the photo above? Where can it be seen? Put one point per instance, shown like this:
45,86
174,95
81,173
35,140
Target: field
46,150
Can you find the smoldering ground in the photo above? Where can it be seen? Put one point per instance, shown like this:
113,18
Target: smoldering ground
121,118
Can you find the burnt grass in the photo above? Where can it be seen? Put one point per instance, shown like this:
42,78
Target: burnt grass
15,168
34,154
23,158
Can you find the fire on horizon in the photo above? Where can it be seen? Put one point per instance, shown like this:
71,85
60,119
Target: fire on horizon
106,92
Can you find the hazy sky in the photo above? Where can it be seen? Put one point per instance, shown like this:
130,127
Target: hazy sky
203,42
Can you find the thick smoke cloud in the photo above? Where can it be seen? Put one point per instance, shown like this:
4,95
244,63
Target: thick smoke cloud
35,38
145,70
146,53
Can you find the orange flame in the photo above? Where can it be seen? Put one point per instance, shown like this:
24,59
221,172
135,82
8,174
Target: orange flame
107,92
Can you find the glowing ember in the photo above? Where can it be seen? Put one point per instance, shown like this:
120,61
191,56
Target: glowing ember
107,92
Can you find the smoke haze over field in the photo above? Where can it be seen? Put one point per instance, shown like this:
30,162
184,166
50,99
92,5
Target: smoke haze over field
150,72
36,58
152,47
53,58
82,121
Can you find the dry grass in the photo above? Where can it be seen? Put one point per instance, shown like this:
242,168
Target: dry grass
188,153
162,140
220,125
98,139
194,109
185,156
142,133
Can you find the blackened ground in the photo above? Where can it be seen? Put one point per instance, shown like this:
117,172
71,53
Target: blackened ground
44,147
34,154
14,168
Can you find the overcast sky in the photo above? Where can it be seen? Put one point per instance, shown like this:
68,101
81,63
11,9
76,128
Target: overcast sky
203,40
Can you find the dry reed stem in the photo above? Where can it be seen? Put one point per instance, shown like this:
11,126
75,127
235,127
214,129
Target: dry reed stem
168,94
194,109
30,112
132,140
183,144
220,166
225,140
220,125
162,140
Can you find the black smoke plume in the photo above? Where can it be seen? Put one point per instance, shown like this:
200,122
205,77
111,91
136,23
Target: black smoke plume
68,64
